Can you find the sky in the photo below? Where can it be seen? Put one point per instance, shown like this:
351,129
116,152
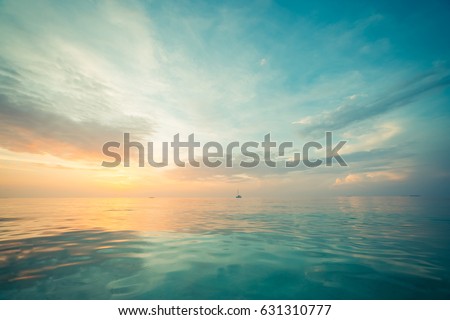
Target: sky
76,74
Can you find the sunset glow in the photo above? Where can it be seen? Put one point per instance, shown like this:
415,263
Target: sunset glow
78,75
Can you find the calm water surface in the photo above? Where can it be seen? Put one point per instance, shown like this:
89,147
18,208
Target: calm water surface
339,248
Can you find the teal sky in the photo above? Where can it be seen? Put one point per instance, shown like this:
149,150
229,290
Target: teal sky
74,74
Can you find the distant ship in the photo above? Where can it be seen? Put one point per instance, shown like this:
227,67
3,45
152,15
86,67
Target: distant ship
238,195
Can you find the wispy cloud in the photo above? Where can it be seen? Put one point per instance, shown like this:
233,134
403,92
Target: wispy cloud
33,130
355,109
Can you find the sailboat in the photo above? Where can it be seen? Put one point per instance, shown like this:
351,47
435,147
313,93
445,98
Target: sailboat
238,195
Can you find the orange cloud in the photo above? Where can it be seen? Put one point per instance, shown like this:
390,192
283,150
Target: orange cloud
377,176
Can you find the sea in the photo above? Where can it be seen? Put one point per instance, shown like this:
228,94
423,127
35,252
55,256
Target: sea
227,248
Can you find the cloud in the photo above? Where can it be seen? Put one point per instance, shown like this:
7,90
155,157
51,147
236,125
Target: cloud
355,110
378,136
233,174
171,65
74,76
32,130
370,177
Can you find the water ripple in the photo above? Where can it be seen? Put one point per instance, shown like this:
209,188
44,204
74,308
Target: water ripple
353,248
